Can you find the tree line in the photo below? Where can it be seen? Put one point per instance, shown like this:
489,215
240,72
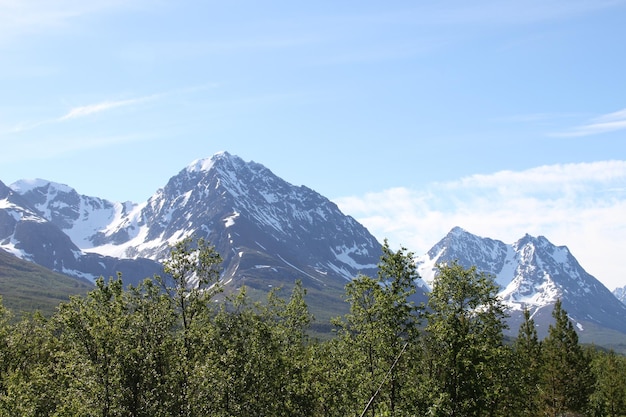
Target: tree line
169,347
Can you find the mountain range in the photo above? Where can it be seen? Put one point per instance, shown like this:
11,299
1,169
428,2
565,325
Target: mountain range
271,233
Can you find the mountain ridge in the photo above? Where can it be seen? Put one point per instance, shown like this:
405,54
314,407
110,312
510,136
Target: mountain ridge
532,274
271,233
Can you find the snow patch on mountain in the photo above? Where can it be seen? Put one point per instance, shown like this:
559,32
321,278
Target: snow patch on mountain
345,254
230,220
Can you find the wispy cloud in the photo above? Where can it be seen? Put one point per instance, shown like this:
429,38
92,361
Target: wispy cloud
27,17
103,106
603,124
81,111
90,109
582,206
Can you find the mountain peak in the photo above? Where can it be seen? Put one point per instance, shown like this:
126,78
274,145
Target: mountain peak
532,273
457,231
26,185
205,164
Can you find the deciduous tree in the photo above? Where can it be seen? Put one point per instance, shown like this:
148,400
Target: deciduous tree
465,342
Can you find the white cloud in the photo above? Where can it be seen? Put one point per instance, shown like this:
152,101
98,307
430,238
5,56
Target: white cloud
602,124
582,206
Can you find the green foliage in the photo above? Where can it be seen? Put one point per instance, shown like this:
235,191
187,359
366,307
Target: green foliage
464,343
381,321
168,348
609,394
526,372
566,380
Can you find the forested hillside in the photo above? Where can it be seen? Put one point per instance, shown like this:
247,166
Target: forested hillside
171,347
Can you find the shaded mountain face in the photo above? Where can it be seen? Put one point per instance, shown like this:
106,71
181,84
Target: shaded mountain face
269,232
532,273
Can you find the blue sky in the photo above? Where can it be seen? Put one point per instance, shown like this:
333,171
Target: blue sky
502,117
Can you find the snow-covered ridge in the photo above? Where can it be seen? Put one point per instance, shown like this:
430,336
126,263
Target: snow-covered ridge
531,272
25,185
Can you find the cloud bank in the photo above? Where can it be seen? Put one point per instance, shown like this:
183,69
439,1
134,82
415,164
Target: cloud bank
581,206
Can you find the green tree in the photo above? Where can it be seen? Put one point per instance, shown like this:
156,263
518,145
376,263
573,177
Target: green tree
145,352
117,351
464,343
609,395
566,380
91,330
527,350
381,322
331,377
242,371
191,279
4,346
289,321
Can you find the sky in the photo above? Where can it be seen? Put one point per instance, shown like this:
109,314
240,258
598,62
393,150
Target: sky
501,117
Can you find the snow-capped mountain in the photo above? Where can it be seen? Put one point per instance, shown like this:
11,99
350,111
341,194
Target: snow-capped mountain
532,273
80,217
620,294
268,231
26,233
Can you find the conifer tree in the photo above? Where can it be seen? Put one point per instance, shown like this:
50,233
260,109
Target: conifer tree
527,354
609,395
566,380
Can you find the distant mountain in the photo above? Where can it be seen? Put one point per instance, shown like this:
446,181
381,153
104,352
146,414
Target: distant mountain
80,217
532,273
620,294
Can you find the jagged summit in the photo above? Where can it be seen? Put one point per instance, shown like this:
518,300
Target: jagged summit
532,273
486,254
222,159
